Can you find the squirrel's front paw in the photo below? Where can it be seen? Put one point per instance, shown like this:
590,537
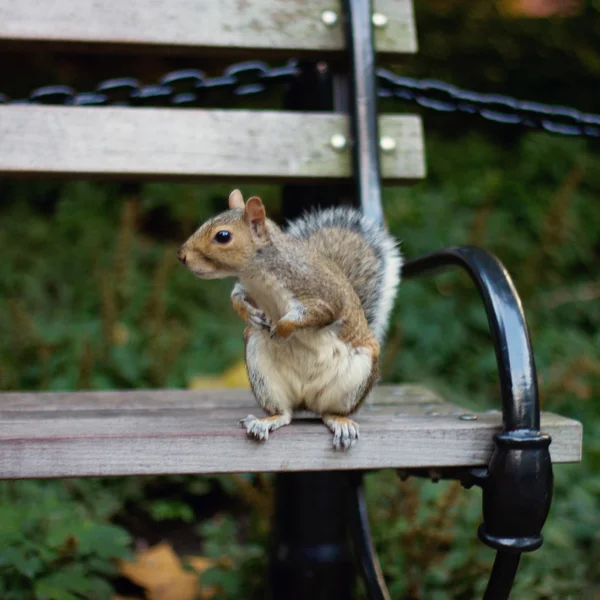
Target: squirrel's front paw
257,318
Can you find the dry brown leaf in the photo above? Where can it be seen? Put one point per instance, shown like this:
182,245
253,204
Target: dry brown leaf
200,563
160,572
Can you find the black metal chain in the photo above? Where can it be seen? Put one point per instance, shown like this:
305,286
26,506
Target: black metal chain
183,88
192,88
440,96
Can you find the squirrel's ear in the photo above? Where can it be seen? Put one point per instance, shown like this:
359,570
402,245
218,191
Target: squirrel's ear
255,216
236,200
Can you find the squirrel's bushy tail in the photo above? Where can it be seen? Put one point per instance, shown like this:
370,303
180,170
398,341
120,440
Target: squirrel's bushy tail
365,252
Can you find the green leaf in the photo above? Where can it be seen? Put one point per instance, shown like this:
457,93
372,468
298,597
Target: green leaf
15,558
65,584
103,540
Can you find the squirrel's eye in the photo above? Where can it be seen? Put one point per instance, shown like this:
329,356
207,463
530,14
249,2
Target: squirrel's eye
222,237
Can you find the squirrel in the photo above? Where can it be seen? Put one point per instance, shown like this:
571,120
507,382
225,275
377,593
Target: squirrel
316,298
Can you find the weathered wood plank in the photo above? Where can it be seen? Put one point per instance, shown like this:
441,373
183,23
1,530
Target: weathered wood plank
251,26
158,143
176,431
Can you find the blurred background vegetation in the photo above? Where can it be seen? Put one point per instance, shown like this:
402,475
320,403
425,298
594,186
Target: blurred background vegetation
92,298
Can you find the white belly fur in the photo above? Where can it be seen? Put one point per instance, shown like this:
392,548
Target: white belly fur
313,368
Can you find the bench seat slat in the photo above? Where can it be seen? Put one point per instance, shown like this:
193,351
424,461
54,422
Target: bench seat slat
175,431
161,143
250,27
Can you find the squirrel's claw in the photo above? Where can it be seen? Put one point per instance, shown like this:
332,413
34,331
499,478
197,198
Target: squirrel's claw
258,319
248,310
255,427
345,431
259,428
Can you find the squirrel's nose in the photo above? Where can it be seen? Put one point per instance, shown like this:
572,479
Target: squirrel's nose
181,255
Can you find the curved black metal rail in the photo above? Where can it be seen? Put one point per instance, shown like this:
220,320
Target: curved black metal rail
514,355
517,486
363,544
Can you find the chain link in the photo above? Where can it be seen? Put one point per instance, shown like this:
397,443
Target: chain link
187,87
440,96
192,88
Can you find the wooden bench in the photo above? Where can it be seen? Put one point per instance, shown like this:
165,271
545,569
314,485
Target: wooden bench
326,138
87,434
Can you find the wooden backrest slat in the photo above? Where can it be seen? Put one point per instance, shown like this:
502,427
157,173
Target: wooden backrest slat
160,143
249,27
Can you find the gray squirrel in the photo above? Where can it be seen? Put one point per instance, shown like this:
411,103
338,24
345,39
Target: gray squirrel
316,298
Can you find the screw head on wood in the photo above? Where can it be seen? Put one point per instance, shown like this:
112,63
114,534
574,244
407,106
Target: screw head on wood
387,144
329,17
379,20
338,141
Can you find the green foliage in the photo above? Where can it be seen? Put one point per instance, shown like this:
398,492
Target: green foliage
240,567
56,546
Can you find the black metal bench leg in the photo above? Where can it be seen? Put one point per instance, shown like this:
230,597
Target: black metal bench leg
311,558
502,577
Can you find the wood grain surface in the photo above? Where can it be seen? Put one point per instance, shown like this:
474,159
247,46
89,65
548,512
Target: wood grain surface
175,431
184,144
248,27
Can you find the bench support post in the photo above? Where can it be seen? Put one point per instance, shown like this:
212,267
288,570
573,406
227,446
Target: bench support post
311,555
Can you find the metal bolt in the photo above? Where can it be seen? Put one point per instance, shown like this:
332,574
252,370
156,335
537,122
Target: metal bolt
322,67
387,144
379,20
468,417
329,17
338,141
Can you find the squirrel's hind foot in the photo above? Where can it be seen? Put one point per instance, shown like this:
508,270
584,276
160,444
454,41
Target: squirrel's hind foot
345,431
259,428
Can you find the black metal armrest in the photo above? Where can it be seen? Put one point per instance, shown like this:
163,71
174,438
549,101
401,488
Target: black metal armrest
517,485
